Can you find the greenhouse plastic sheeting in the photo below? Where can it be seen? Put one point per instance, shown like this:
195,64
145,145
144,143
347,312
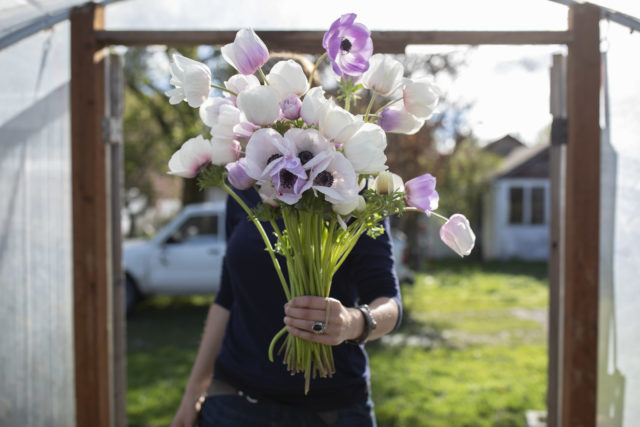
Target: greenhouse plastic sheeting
619,346
36,344
17,14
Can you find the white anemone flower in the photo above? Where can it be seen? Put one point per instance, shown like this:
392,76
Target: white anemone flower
223,129
357,204
421,97
308,143
268,193
338,125
313,106
365,149
265,146
244,129
332,175
194,153
210,110
287,78
192,81
384,74
225,152
240,82
396,119
260,105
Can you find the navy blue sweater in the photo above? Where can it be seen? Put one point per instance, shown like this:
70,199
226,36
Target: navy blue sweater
252,293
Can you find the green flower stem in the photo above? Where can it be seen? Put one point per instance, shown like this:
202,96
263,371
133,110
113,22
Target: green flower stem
436,214
224,89
388,104
366,114
280,333
351,242
315,247
315,67
264,78
308,246
267,243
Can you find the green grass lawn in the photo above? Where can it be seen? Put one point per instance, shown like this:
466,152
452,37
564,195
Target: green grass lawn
471,350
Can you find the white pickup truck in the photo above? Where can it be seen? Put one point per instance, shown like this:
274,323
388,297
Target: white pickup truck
185,256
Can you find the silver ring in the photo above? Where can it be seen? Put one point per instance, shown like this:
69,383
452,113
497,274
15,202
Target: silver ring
319,328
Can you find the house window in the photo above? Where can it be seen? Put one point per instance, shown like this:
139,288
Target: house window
516,205
527,205
537,205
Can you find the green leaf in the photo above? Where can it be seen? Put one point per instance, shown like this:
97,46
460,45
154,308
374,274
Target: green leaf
211,176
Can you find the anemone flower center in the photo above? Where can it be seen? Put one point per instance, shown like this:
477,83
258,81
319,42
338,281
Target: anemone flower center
273,157
287,179
305,156
324,179
345,45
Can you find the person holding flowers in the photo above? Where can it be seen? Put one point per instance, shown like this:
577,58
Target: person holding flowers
308,275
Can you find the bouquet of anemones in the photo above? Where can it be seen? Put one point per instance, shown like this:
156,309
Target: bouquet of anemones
317,166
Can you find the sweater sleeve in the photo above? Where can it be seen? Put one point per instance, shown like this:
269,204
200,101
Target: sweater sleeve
372,269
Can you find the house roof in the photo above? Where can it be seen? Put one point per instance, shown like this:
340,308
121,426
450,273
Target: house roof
503,146
525,162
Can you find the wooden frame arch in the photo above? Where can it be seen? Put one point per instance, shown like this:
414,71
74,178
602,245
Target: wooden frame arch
93,319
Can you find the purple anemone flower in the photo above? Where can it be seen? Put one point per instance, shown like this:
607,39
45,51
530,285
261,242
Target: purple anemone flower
420,192
289,179
348,45
247,53
237,174
290,107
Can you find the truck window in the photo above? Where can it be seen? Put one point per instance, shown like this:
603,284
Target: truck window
196,227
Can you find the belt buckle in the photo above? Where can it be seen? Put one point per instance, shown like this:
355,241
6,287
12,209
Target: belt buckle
246,396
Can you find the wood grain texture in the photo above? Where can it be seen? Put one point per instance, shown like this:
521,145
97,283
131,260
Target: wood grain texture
311,41
91,257
582,221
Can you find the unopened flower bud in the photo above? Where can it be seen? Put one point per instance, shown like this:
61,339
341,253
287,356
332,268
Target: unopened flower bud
247,53
387,182
458,235
421,193
238,175
290,107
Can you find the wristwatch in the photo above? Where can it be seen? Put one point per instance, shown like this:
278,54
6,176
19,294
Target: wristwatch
369,325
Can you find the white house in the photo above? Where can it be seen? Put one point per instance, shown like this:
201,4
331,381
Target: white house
516,208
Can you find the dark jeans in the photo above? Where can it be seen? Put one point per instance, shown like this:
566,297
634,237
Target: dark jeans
237,411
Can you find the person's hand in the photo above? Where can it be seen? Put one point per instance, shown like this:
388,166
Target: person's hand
187,412
341,323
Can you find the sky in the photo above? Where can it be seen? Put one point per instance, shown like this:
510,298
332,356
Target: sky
508,86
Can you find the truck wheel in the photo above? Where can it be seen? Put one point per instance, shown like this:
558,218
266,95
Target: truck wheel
132,295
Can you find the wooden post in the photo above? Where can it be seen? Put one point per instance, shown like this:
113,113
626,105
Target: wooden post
112,134
91,257
558,108
582,220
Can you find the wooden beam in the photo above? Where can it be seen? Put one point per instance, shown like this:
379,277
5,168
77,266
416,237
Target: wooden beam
112,132
557,156
311,41
91,258
582,220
